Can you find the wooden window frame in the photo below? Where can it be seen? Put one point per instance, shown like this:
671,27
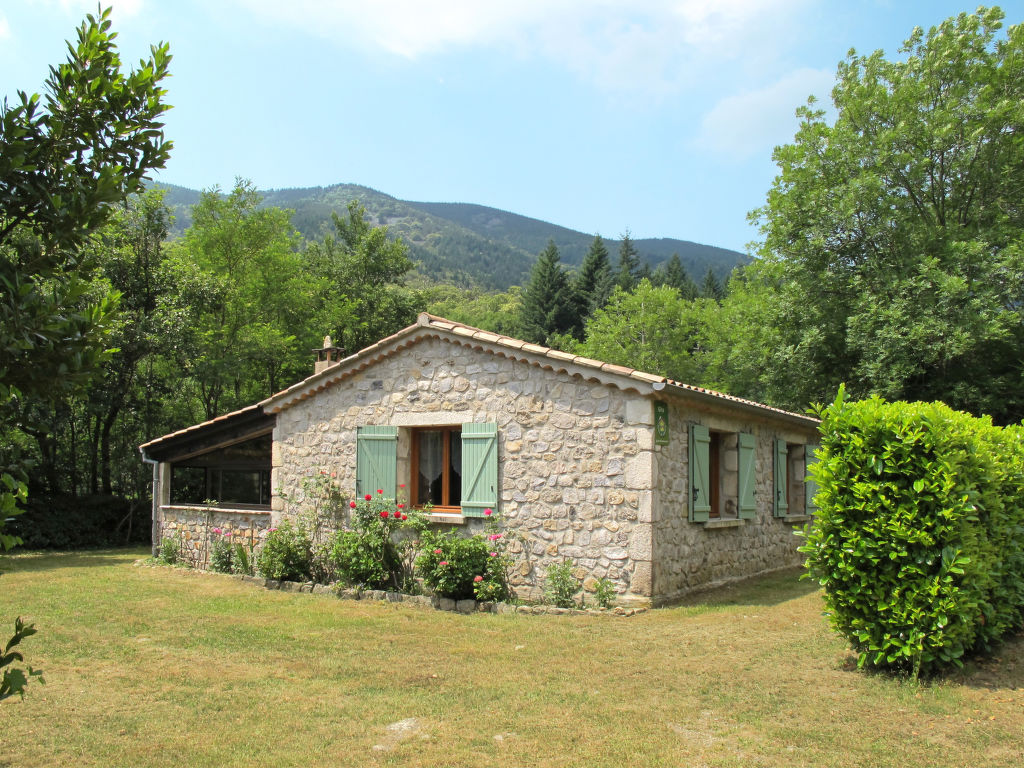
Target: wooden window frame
447,431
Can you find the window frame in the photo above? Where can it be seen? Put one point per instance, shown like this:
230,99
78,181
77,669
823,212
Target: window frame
447,431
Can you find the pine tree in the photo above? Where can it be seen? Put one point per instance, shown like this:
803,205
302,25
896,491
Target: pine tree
711,288
644,273
549,302
673,274
594,280
629,263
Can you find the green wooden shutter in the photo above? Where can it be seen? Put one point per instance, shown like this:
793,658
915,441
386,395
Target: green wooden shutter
376,461
811,485
700,468
479,468
781,479
748,477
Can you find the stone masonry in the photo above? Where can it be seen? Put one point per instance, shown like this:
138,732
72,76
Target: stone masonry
575,457
690,555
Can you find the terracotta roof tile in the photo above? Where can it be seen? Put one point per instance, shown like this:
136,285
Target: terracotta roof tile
434,323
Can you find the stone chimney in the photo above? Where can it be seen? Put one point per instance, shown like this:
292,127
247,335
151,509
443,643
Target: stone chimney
327,356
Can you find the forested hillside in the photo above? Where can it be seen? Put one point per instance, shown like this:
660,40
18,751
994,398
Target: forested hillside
462,243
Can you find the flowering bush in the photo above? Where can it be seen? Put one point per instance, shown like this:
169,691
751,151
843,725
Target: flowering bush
374,552
461,567
323,505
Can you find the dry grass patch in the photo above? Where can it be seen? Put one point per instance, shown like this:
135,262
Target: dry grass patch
158,667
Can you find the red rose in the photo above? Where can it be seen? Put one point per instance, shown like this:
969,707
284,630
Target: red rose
405,516
402,485
437,551
401,506
384,514
380,491
368,497
352,504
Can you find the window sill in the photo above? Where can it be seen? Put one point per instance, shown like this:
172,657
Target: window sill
239,510
797,518
731,523
447,518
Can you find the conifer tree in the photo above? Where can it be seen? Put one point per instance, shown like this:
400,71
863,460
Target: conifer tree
712,288
673,274
593,282
549,302
644,273
629,263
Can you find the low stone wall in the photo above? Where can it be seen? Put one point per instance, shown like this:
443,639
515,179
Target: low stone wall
192,527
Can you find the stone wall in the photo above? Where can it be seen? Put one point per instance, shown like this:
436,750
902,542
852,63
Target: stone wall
574,456
692,555
192,527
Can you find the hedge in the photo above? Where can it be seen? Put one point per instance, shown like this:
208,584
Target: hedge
919,535
66,522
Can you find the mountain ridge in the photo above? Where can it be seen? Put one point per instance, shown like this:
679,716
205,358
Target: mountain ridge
462,242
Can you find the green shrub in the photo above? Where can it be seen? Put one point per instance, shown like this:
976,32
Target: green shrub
373,553
561,585
221,552
241,560
361,559
287,554
462,567
169,551
919,536
604,592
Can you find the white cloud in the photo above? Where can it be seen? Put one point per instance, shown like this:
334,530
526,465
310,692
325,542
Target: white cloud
78,8
618,44
750,122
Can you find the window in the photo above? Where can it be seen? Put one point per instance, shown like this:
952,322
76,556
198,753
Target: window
794,493
436,467
237,475
454,468
722,475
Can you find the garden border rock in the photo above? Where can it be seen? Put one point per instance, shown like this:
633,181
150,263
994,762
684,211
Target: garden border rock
464,607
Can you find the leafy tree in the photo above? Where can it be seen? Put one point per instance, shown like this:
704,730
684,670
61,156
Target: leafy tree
363,272
496,312
673,274
593,282
629,263
711,288
550,307
651,329
893,257
241,341
62,166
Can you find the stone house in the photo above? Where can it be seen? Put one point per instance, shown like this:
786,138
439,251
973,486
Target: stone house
660,486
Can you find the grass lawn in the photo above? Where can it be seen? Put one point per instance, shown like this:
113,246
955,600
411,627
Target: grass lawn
161,667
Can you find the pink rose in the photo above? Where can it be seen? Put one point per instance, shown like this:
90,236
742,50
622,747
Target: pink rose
437,551
478,579
443,562
488,512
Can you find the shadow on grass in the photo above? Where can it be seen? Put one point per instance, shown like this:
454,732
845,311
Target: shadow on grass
768,589
16,561
1001,670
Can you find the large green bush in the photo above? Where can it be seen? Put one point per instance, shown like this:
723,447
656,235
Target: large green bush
919,537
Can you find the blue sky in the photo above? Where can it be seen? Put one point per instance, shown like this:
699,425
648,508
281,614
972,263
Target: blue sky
654,115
